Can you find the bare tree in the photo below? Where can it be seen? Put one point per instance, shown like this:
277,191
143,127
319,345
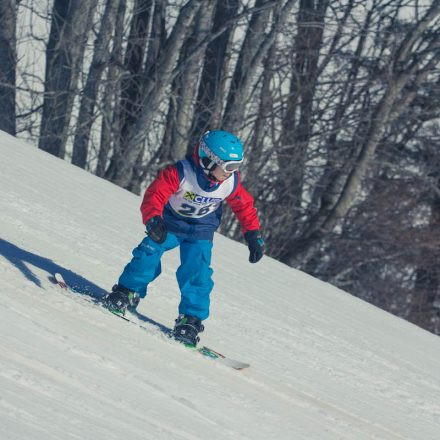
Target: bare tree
8,62
156,43
182,101
122,165
211,90
111,95
405,73
100,61
70,25
254,49
337,104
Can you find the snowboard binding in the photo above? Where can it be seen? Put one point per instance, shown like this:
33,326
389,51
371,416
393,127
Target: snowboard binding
120,299
186,330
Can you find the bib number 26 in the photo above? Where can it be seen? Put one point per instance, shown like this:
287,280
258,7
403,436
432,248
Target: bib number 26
194,211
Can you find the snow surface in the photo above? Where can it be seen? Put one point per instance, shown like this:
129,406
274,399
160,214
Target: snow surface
324,365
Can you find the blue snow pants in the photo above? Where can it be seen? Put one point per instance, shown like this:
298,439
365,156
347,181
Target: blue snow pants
193,275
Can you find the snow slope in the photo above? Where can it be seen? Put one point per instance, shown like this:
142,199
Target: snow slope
324,365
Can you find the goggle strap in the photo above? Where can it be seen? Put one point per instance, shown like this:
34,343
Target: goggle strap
208,163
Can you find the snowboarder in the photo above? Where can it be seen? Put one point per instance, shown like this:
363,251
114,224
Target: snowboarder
183,207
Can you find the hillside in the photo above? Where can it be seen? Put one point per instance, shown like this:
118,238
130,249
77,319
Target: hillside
324,365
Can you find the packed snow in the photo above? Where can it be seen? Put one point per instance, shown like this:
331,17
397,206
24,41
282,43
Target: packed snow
324,365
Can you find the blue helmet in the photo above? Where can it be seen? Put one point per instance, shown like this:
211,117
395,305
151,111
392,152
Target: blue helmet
220,148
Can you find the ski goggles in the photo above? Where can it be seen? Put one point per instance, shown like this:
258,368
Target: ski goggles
229,166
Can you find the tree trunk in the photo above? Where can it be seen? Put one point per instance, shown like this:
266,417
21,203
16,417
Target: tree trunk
71,23
100,60
296,124
8,62
427,274
156,42
339,154
255,47
111,95
134,64
211,91
255,151
129,105
184,89
405,68
153,93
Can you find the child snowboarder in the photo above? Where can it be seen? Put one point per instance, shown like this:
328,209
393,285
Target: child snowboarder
183,207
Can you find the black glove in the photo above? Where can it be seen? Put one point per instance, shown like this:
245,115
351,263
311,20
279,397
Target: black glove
157,229
255,242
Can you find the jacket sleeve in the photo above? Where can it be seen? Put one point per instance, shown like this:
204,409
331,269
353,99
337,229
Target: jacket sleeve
242,204
157,194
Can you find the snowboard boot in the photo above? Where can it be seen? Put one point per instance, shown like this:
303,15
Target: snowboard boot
187,329
120,299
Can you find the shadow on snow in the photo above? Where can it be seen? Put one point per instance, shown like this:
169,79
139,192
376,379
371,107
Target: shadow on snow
22,259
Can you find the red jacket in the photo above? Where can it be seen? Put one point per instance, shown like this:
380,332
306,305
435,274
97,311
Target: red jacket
167,182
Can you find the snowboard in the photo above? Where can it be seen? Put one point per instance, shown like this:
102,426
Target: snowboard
204,351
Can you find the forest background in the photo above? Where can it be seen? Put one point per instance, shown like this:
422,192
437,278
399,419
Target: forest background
337,103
